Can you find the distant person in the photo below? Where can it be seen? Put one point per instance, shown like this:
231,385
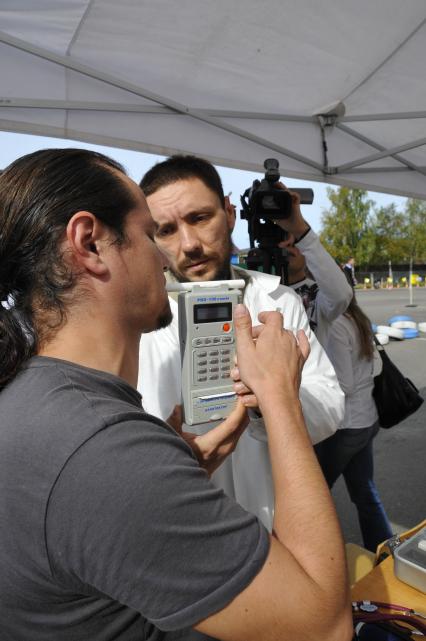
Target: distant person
349,451
349,269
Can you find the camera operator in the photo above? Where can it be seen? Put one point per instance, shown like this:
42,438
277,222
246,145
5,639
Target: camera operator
312,272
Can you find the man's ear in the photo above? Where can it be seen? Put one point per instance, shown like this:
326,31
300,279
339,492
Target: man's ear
86,235
231,213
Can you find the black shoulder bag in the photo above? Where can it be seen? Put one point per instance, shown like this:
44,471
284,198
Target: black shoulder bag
396,397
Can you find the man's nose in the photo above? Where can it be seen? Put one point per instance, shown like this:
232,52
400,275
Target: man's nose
189,239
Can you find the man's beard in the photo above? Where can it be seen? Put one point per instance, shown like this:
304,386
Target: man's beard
165,317
223,270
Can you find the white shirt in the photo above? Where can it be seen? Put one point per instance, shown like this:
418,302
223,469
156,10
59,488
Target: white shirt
246,474
355,374
330,294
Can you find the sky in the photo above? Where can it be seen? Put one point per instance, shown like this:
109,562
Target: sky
136,163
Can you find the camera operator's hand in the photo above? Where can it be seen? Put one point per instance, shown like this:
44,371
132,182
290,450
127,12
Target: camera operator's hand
295,224
288,244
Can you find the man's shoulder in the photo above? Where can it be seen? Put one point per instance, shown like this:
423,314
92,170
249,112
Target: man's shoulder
66,406
285,292
79,393
278,292
264,292
270,283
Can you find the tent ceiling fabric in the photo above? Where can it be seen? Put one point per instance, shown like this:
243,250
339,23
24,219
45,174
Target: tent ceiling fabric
335,90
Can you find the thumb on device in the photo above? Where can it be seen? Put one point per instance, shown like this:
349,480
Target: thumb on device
212,448
243,327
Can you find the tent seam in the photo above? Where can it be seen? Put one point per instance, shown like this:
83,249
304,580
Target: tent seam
388,57
68,53
79,27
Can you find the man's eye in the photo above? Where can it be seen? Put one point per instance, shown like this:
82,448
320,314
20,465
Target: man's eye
164,231
200,218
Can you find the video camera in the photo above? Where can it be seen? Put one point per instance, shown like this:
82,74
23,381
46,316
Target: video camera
262,204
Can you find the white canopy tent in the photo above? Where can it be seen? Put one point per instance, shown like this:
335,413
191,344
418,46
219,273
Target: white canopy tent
335,90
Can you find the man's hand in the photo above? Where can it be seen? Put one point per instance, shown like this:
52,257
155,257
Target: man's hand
295,224
272,364
212,448
289,245
175,419
246,395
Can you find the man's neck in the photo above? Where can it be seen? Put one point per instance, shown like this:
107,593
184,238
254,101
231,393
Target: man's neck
98,344
297,277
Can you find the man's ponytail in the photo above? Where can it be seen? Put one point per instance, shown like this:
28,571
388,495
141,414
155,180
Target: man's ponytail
16,344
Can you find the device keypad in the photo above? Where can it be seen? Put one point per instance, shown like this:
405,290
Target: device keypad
214,363
210,340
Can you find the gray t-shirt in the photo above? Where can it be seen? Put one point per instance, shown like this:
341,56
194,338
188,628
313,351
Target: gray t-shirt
109,529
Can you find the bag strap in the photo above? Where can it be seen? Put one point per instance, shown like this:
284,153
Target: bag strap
380,349
377,342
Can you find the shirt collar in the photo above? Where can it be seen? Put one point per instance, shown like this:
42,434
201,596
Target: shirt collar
268,282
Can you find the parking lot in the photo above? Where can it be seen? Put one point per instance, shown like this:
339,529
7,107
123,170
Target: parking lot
400,452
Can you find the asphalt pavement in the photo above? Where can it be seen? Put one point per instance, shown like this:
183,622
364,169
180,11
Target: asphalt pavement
399,452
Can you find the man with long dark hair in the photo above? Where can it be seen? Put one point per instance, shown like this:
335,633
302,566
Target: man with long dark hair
110,529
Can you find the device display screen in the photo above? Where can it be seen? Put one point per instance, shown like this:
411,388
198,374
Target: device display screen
212,312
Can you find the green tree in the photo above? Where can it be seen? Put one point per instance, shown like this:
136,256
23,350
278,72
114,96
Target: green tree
346,225
415,230
400,236
352,226
388,226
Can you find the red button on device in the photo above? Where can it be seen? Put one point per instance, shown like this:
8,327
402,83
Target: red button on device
226,327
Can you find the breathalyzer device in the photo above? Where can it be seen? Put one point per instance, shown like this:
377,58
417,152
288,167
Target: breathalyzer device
207,347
